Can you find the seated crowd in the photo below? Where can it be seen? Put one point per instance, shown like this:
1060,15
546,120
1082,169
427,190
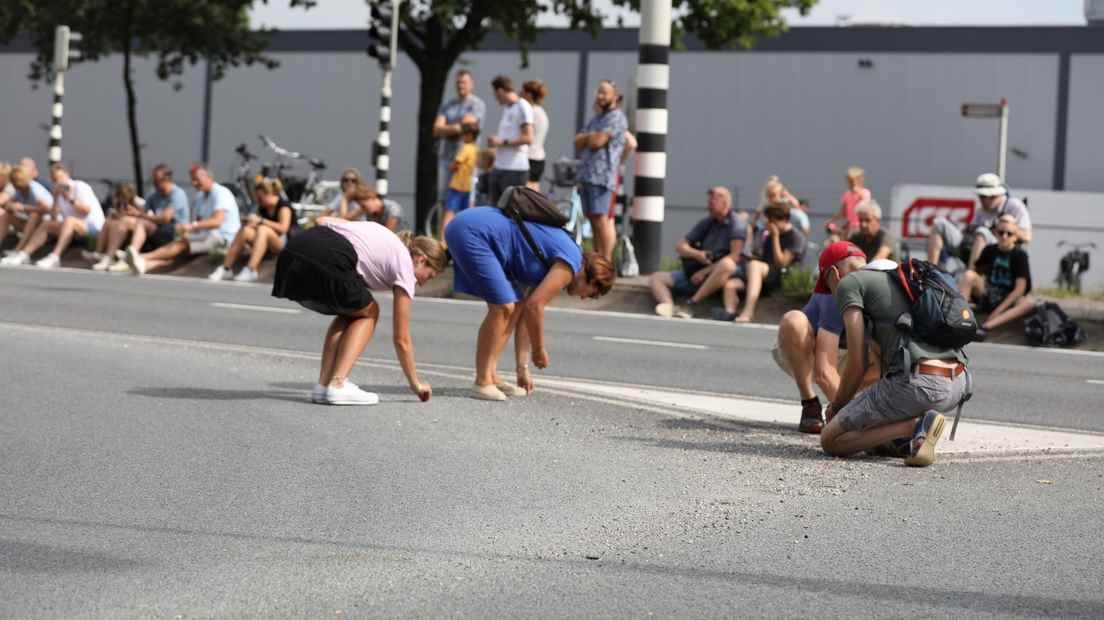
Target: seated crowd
136,235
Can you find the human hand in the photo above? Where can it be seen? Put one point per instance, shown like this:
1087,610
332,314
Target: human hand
525,378
423,390
252,219
705,257
829,412
182,229
540,358
699,277
772,228
495,141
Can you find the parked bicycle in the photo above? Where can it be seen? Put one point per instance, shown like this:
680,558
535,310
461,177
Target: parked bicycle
1073,264
563,192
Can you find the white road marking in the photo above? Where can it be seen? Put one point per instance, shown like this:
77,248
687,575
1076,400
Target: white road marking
653,343
273,309
1095,381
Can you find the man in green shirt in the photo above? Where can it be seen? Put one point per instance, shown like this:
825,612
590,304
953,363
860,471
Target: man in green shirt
918,380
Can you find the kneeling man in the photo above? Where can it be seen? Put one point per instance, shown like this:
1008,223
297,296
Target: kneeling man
918,380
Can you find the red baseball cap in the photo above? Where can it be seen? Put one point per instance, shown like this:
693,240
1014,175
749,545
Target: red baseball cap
832,255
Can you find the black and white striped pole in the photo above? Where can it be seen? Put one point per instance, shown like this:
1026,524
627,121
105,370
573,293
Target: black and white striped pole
652,79
62,37
384,35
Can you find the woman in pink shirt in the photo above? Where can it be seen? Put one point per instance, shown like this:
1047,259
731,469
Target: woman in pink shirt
846,221
333,269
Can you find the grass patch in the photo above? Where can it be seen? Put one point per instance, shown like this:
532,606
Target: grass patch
1065,293
798,281
670,263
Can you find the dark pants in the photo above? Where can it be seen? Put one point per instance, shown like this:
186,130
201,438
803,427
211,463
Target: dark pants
501,179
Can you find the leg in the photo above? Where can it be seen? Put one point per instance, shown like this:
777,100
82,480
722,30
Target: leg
839,442
264,240
1023,307
69,228
757,271
796,343
33,223
599,224
731,294
142,231
116,232
352,343
446,217
329,348
661,283
246,235
720,274
39,236
972,285
101,239
165,254
493,335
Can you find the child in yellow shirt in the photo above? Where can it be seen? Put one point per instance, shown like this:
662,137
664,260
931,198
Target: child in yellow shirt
462,168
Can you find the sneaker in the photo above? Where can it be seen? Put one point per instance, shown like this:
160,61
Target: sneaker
812,420
10,252
106,263
981,334
92,257
119,266
665,310
350,394
487,392
246,275
318,394
924,438
50,261
720,314
219,274
511,389
19,258
136,262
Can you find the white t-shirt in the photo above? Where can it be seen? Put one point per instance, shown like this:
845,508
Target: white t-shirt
540,132
83,194
509,128
382,259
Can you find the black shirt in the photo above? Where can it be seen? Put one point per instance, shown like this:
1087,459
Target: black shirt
871,245
274,215
1002,269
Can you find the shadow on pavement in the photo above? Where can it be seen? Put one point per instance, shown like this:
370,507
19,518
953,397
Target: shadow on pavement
22,557
394,390
941,598
187,393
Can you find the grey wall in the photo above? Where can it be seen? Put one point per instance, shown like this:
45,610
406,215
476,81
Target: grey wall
1084,164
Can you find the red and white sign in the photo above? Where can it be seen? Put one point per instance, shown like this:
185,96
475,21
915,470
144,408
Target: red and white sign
916,221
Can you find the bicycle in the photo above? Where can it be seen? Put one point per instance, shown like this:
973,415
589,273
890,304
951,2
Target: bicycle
242,185
308,196
565,176
1073,264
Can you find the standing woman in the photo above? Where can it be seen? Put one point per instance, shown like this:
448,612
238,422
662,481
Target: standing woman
493,261
265,231
535,91
333,269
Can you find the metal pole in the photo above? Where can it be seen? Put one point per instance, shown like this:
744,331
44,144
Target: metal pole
383,153
653,80
1002,144
55,128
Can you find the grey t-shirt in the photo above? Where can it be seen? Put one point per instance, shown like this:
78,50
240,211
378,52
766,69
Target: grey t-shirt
453,110
1012,206
882,301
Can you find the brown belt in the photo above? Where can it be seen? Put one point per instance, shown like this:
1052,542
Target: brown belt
932,369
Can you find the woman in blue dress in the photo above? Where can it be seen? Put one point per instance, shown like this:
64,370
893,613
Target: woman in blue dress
493,261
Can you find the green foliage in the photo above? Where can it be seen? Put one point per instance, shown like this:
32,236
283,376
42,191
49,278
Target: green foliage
721,24
670,263
798,281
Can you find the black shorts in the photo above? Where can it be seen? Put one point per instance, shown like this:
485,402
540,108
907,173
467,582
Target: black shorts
162,235
317,269
536,170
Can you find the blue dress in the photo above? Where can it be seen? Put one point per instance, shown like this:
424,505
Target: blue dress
492,260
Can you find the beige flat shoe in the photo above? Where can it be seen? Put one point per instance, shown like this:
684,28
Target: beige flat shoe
665,310
510,389
487,392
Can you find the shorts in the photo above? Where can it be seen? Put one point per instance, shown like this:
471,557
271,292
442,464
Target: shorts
536,170
162,235
596,199
205,242
681,284
317,269
955,243
771,283
501,179
456,201
902,397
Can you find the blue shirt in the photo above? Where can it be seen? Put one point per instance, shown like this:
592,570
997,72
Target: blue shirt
453,110
599,166
493,261
177,199
218,199
35,192
823,313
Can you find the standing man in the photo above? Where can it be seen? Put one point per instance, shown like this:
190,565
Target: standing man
515,134
600,144
447,126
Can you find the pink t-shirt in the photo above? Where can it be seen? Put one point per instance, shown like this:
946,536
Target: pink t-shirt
382,259
851,200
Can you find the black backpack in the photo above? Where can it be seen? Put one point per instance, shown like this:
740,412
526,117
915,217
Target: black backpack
1050,326
938,315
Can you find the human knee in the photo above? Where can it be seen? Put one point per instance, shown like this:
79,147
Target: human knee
793,325
726,265
829,438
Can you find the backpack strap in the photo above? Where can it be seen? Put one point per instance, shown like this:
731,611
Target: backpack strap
505,204
965,397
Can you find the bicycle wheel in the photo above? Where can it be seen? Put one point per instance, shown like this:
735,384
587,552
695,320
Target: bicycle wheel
433,222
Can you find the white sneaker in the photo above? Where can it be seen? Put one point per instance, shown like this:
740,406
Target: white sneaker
350,394
665,309
318,394
92,257
119,266
50,261
135,261
10,252
219,274
19,258
246,275
105,263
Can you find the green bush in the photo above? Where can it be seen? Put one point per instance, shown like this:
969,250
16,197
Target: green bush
670,263
798,281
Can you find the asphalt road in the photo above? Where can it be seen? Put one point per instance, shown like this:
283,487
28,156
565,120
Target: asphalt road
158,458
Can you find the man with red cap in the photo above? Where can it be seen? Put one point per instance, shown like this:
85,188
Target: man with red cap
809,339
918,380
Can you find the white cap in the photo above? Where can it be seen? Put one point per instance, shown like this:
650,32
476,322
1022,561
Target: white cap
990,184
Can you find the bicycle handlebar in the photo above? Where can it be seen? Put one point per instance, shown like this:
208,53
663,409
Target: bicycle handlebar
279,150
1077,246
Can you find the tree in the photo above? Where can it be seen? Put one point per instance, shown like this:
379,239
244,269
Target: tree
178,32
434,33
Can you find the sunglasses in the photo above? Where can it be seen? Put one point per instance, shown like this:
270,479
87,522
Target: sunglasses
349,180
1005,233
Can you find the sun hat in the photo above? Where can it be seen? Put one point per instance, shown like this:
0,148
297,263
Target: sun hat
990,184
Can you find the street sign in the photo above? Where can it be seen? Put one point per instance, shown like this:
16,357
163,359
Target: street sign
981,110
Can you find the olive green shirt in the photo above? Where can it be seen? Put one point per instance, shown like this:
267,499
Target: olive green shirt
882,301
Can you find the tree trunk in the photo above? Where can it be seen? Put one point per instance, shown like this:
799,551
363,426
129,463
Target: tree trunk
434,77
132,119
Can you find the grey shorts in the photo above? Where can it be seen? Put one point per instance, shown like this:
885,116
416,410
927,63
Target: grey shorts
902,397
953,236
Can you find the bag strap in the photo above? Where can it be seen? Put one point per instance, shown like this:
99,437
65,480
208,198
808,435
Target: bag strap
965,397
529,240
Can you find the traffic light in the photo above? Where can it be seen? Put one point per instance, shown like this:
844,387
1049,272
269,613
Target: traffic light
63,39
379,32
